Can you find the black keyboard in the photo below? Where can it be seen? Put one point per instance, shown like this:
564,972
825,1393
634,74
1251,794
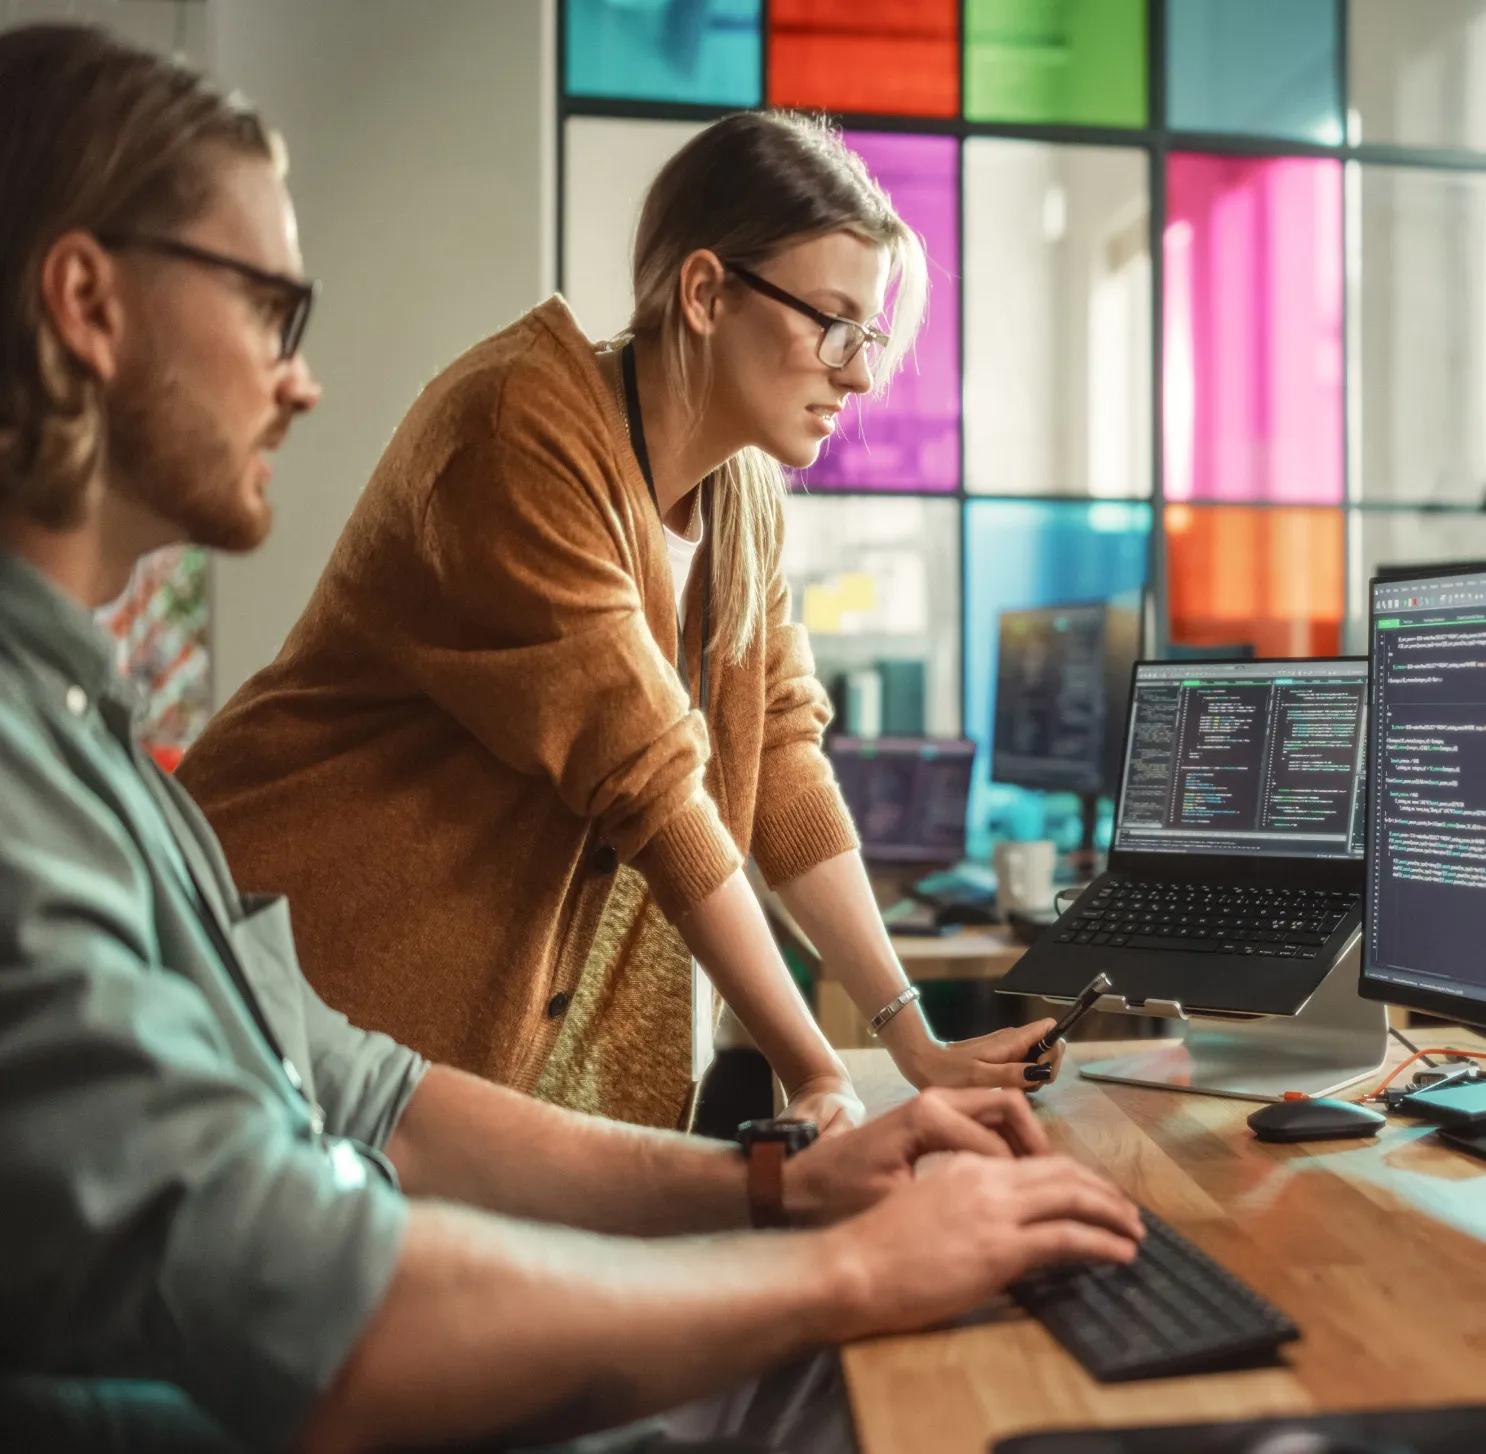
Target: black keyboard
1173,1310
1202,918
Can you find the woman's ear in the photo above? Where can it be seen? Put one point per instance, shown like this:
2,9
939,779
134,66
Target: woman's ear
703,278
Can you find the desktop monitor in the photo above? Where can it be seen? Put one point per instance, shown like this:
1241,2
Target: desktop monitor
907,795
1062,685
1424,910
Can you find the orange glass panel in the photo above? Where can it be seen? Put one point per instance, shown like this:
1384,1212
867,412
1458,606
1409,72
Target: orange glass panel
893,57
1270,577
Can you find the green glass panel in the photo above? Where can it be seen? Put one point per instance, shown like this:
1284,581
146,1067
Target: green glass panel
1078,62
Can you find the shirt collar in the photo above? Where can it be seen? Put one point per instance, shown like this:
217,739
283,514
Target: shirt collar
51,627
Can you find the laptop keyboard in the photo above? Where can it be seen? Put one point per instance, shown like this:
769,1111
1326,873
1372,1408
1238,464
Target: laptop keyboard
1173,1310
1196,918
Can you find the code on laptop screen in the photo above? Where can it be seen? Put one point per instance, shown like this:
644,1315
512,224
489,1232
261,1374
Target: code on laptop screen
1239,758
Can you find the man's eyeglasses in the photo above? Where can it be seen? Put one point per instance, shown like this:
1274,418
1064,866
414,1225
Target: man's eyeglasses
295,296
841,339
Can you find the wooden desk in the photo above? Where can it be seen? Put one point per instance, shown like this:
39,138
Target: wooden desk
1376,1248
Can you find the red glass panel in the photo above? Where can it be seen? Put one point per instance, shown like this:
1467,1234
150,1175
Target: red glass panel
894,57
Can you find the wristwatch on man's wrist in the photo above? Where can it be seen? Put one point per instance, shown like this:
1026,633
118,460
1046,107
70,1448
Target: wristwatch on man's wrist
766,1146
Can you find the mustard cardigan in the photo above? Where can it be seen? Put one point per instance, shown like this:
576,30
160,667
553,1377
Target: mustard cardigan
473,767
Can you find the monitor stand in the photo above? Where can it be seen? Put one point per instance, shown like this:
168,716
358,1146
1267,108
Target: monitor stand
1336,1039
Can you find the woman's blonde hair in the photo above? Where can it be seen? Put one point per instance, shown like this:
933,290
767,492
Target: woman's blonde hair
747,187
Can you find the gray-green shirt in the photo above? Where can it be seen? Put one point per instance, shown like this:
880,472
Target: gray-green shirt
190,1189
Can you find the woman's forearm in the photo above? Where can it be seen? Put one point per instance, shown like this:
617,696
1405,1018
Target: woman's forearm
834,904
729,934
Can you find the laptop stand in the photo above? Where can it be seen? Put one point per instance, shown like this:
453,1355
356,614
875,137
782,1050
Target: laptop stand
1334,1040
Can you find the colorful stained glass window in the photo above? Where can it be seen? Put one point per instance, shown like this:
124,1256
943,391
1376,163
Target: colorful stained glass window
1416,73
910,439
700,51
1019,555
876,583
1417,317
1075,62
1253,329
1057,319
1270,577
895,56
1263,67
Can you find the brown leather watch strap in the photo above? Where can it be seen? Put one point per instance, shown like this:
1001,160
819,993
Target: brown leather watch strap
766,1183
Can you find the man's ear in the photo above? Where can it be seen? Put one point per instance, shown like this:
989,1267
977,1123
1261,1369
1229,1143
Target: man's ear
80,300
701,283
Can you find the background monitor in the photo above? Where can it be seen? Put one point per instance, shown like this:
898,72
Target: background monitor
1062,686
907,794
1424,913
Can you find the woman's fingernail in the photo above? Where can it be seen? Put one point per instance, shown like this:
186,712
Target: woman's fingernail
1038,1072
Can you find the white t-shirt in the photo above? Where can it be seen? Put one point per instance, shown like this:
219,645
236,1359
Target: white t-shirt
681,550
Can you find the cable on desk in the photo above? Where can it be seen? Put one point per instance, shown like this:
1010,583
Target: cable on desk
1409,1045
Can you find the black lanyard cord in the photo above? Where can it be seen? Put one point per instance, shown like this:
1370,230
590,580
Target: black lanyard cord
642,456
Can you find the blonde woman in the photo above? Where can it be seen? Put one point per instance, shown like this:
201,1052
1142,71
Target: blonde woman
547,696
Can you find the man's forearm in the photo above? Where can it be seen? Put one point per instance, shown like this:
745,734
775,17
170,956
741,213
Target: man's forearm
500,1328
463,1139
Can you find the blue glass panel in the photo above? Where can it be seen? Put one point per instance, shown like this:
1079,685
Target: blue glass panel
1262,67
704,51
1019,555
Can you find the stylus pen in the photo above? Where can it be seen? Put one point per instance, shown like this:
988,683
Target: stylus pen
1101,984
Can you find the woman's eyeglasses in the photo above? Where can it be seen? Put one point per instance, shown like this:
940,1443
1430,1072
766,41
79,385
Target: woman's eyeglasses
295,297
841,339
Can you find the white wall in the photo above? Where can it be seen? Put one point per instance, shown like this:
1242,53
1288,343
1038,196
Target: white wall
421,163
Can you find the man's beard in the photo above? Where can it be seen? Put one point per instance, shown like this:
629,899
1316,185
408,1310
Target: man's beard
167,453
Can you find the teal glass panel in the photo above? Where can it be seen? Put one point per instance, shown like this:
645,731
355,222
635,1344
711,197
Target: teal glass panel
700,51
1261,68
1019,555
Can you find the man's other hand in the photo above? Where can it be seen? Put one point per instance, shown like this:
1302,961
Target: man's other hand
845,1174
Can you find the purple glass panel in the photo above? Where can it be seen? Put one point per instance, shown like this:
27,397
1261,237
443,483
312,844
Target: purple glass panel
910,440
1253,329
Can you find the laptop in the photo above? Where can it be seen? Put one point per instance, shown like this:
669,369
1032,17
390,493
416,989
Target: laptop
1235,877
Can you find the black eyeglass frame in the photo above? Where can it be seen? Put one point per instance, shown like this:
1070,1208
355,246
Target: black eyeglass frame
863,334
301,292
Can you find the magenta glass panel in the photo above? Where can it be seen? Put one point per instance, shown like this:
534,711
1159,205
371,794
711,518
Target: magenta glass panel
910,440
1253,329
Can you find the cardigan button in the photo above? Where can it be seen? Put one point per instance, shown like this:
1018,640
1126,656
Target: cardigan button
604,858
557,1004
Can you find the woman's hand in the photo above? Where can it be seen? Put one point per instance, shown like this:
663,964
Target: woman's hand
997,1059
830,1101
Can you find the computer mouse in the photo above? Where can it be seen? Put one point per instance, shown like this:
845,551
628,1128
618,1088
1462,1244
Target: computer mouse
1315,1119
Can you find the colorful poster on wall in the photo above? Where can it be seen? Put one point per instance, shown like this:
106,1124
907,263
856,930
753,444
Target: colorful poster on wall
159,626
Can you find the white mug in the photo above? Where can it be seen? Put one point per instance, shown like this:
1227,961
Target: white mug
1024,875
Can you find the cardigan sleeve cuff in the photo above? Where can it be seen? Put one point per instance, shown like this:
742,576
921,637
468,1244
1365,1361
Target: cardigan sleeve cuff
690,857
811,828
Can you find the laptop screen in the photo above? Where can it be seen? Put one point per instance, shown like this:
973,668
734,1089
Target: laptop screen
1245,758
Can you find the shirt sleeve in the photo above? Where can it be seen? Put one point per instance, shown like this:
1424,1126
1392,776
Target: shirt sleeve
540,646
801,819
179,1222
363,1079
